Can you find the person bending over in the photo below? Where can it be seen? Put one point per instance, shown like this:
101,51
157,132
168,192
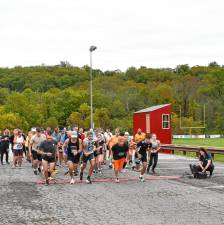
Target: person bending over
205,164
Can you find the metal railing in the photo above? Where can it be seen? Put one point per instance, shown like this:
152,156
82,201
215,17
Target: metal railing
187,148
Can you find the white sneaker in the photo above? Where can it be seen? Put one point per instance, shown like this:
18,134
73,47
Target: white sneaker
141,179
117,180
72,181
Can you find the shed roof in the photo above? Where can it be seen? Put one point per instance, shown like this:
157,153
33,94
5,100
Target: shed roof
152,108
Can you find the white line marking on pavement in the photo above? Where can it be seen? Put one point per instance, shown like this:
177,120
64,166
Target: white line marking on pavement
215,187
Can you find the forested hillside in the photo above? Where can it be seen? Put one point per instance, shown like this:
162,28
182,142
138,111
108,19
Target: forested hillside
59,95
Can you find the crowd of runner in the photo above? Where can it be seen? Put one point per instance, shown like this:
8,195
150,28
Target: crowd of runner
47,149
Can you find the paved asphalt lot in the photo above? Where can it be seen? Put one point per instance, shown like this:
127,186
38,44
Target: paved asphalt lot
159,200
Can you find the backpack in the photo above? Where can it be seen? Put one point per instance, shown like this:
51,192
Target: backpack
196,173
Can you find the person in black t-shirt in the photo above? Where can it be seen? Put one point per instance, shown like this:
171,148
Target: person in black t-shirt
4,146
120,153
205,164
99,153
48,151
74,149
143,148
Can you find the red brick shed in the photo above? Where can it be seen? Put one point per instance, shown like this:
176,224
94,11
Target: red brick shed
155,119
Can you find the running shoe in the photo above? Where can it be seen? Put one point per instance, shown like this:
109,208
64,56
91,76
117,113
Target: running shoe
88,180
117,180
81,176
153,171
72,181
66,173
141,179
35,172
47,182
110,166
39,169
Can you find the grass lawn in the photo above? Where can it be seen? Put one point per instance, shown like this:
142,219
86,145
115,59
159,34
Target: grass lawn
208,142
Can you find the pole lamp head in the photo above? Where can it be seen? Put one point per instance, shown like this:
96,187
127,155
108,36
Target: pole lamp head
92,48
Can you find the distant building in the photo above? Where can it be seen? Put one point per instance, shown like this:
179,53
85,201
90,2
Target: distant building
155,119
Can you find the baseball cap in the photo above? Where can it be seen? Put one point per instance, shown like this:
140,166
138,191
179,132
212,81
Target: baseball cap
74,134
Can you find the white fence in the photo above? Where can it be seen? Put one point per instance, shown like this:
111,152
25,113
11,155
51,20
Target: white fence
200,136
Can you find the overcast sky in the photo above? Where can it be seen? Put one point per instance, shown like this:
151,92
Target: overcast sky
151,33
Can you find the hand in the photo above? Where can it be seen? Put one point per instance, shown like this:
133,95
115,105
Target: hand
139,156
75,152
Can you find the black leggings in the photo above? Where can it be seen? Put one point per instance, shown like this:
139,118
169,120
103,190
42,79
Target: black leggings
153,160
4,151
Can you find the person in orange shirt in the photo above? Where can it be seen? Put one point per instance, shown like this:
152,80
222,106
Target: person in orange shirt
113,141
139,136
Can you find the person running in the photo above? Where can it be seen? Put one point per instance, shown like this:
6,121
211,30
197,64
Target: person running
139,136
153,157
119,153
48,149
18,143
88,155
82,134
99,153
4,146
74,149
35,142
113,141
143,148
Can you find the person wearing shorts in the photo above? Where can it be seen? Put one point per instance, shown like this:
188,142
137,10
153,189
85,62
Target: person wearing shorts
35,142
143,148
48,150
113,141
119,153
74,149
99,153
18,143
88,155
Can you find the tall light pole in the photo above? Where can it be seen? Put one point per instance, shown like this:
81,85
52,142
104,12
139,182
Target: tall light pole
91,49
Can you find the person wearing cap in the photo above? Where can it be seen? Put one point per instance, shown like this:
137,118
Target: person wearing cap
48,150
119,153
74,148
35,142
88,155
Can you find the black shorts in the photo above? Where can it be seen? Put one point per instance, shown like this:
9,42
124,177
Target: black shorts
36,156
18,152
90,157
49,160
74,159
96,153
144,158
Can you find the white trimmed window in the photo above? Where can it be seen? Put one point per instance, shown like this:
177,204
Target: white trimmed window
166,121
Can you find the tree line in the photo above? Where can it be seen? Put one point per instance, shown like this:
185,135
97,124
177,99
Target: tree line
59,96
